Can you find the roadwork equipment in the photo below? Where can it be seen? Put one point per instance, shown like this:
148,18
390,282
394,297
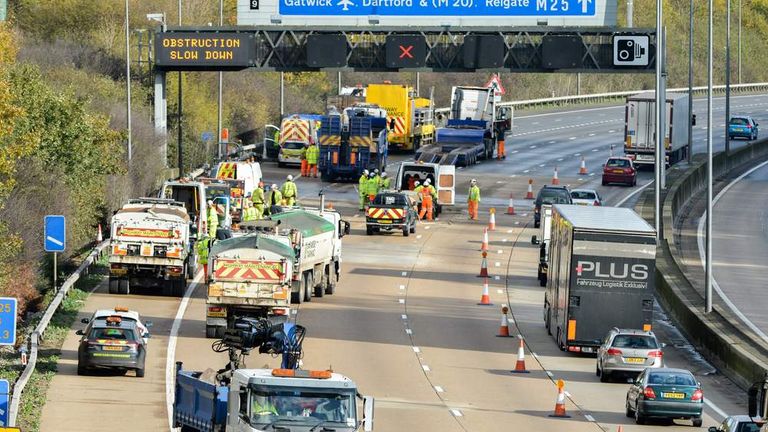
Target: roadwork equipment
484,266
583,169
529,194
504,327
560,403
520,365
484,245
485,300
555,179
511,207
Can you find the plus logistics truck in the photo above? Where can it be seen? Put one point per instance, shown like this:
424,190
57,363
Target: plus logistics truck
270,263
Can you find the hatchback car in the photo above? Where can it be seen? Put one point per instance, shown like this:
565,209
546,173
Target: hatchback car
665,393
626,351
549,195
737,423
742,127
586,197
619,170
111,343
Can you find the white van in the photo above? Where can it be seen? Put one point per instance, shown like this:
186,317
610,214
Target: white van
443,178
248,172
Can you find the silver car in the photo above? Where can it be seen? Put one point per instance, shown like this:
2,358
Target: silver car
627,351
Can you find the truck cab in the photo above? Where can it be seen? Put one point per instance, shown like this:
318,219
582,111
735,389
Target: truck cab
192,195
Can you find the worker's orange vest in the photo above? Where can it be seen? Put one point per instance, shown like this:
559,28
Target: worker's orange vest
425,194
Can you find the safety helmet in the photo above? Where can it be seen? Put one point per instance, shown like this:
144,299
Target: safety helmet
427,181
383,175
376,171
210,202
289,178
473,181
372,175
365,172
274,186
416,183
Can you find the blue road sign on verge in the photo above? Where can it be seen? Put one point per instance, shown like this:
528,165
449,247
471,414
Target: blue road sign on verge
5,398
519,8
55,233
207,136
7,321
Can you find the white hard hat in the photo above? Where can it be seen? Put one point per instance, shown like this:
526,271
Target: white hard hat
376,171
383,174
473,181
210,202
416,183
274,187
290,177
365,171
427,181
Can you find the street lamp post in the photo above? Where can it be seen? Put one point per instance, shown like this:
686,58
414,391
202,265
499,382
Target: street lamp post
727,77
128,80
661,102
708,266
690,85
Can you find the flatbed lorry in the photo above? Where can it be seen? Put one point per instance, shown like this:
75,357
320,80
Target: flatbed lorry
150,246
350,144
602,270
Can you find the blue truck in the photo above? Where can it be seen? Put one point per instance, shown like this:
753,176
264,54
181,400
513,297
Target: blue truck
352,142
255,400
460,143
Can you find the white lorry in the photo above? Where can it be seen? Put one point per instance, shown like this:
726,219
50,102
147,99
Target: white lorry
150,246
640,128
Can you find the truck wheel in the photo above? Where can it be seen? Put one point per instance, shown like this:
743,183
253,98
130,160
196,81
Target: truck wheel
178,287
123,286
308,287
368,230
543,280
210,332
548,323
191,266
330,282
298,297
320,289
113,286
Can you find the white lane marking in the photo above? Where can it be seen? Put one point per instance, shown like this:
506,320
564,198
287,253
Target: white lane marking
552,142
170,359
514,151
404,316
416,350
702,257
526,171
532,147
591,134
418,236
497,264
560,160
401,301
510,231
500,251
497,278
402,287
591,174
456,413
439,389
619,107
577,154
640,189
589,417
503,240
517,222
572,138
611,131
425,368
542,165
426,227
498,291
408,331
594,150
405,274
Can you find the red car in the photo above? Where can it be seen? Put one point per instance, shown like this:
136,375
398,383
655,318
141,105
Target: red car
619,170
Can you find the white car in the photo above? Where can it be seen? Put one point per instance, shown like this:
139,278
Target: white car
587,197
123,313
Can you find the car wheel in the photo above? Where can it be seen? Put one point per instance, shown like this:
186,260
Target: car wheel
605,377
113,286
627,410
639,418
81,370
123,286
140,372
697,421
634,182
406,231
605,183
597,369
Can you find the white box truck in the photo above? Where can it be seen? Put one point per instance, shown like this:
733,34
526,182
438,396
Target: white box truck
602,268
640,128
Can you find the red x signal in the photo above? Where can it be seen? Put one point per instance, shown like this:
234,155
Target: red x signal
406,51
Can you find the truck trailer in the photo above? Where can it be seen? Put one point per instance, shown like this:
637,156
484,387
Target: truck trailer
640,128
350,143
602,267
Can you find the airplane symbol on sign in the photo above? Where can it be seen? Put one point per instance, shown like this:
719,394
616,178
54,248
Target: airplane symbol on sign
406,51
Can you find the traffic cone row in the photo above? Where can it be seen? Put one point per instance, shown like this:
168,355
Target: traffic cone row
504,327
529,194
583,169
520,365
484,266
492,220
560,402
555,179
511,207
485,299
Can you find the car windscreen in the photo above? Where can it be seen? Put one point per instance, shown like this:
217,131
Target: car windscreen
671,378
748,427
112,334
299,406
617,163
585,195
389,200
634,342
554,196
293,145
739,121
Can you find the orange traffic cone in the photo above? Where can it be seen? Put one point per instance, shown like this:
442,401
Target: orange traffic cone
484,245
620,429
520,365
99,237
484,266
485,300
529,195
504,327
555,180
560,403
511,206
492,220
583,169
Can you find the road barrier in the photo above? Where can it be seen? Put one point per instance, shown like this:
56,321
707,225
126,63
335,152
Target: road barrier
720,336
39,332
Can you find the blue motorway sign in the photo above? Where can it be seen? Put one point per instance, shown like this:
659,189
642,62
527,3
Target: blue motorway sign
7,321
498,8
5,398
207,136
55,233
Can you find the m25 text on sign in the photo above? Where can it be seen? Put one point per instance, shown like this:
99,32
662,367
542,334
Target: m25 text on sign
7,321
189,50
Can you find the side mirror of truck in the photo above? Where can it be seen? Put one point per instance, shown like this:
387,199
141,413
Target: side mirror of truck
368,402
344,228
534,240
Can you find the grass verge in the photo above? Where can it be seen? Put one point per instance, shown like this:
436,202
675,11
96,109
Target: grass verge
34,396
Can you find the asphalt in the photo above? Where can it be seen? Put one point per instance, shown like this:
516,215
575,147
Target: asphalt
449,371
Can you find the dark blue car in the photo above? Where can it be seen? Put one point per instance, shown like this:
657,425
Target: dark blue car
742,127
